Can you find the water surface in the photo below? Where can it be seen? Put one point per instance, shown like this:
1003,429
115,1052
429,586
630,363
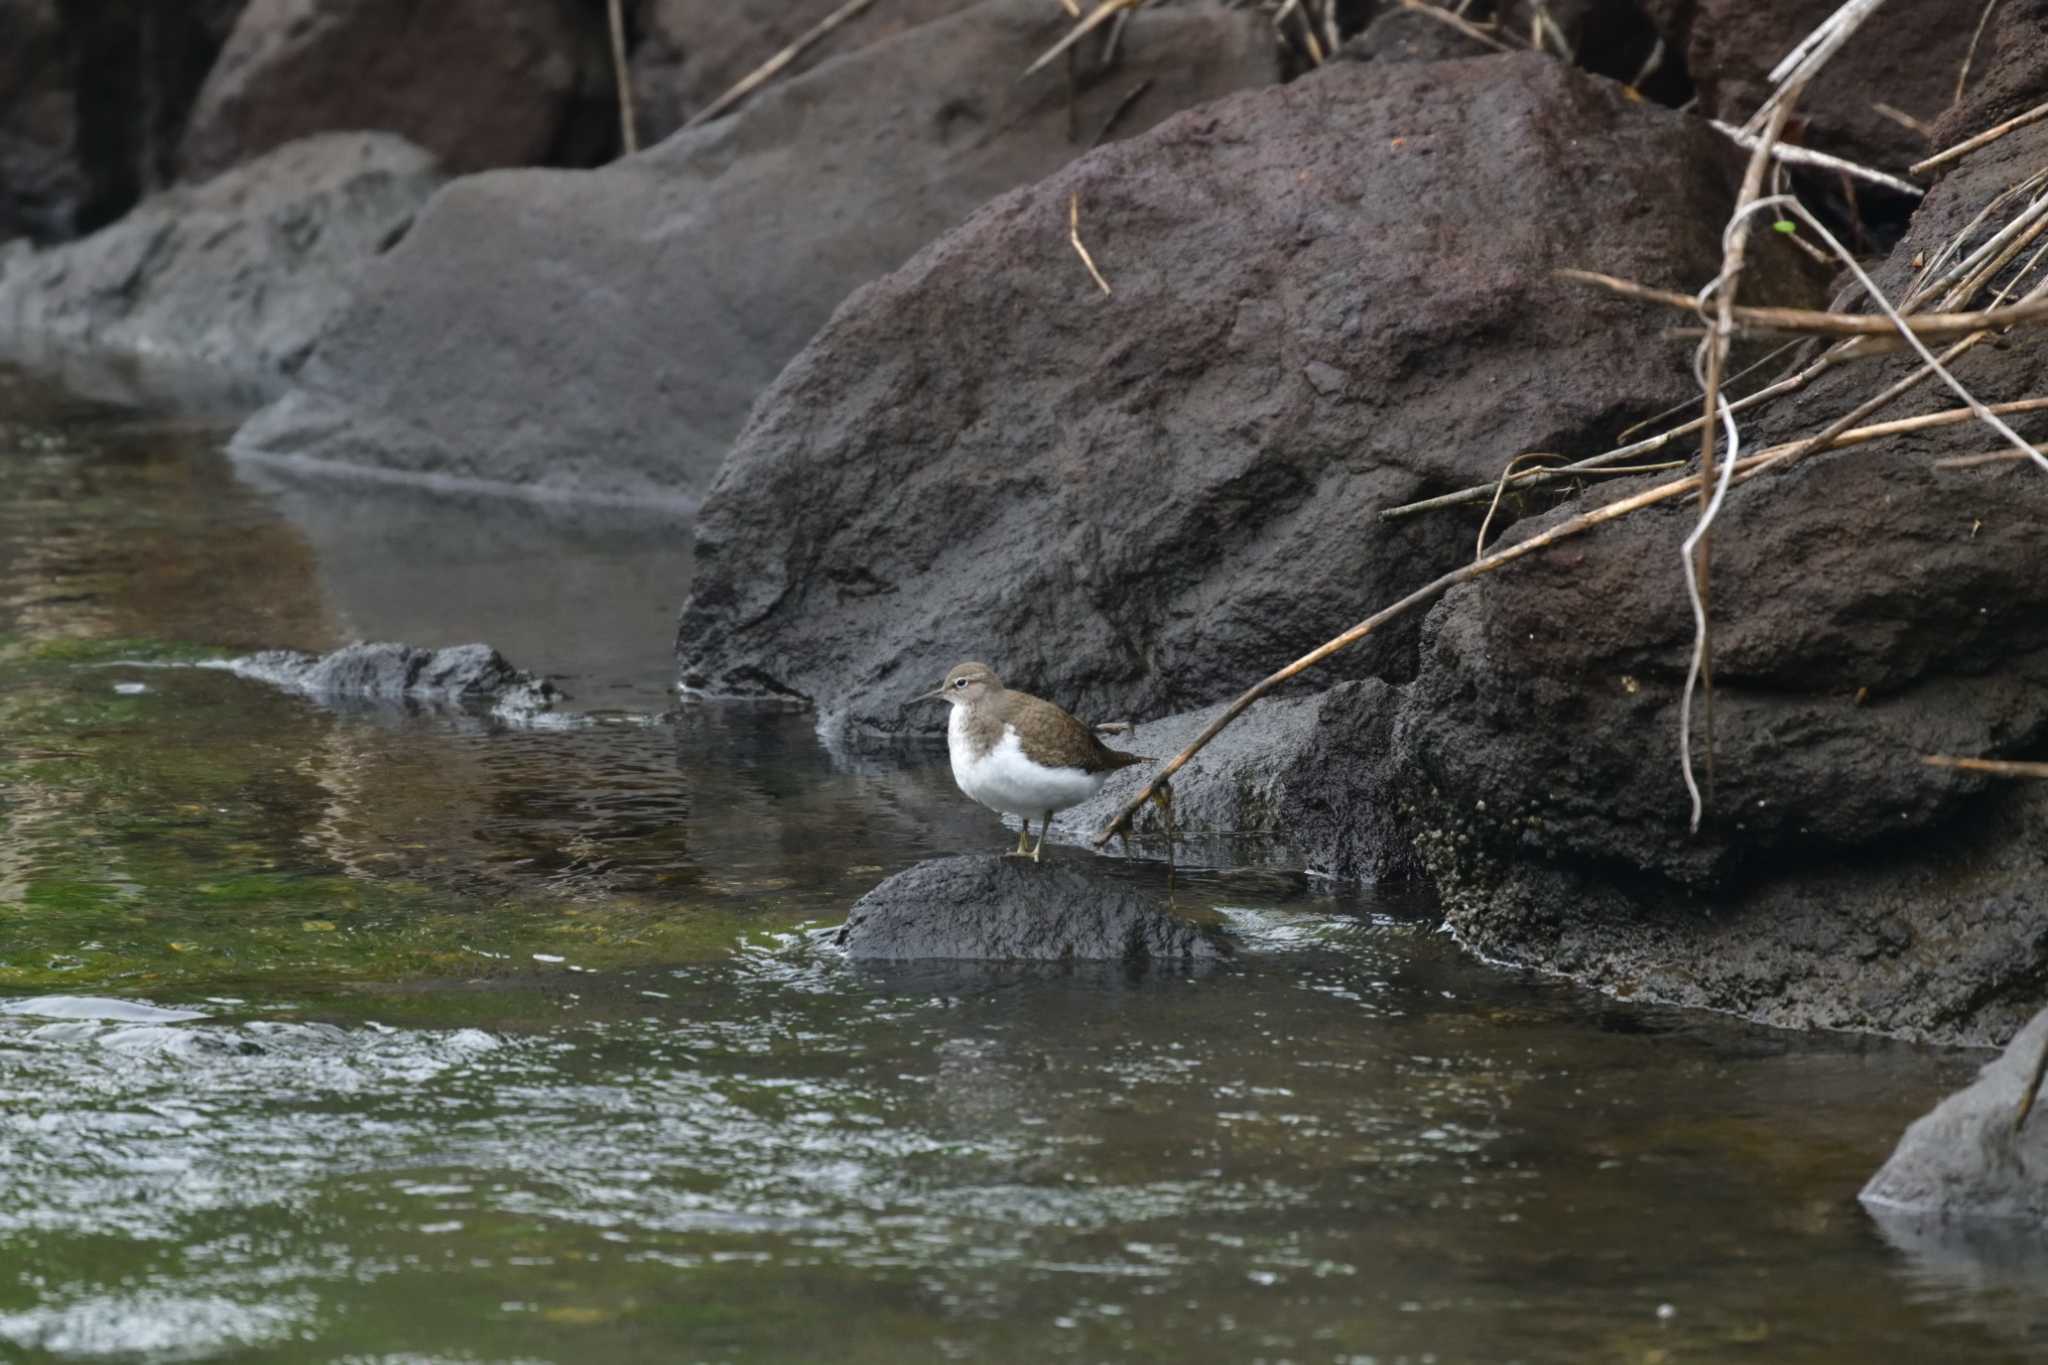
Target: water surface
402,1034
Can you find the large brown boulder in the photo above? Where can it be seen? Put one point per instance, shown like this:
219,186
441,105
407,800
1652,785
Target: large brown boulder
1870,609
1142,502
479,83
604,332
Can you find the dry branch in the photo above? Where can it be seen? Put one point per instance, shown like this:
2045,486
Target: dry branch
1814,322
629,134
1458,22
1996,767
1983,139
1074,236
1097,17
1806,156
766,71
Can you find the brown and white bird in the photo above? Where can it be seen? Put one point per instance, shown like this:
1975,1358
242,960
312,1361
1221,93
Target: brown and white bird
1019,754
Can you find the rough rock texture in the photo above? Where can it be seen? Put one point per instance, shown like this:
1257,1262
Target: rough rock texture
1144,501
1870,609
2009,75
479,83
692,51
237,276
1007,909
1906,56
93,99
393,672
1964,1159
1293,780
643,306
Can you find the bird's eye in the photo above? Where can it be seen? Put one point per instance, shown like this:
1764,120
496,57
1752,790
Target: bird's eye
960,682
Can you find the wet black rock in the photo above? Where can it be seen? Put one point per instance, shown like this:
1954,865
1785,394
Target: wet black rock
395,672
233,279
1159,495
604,332
1965,1159
987,907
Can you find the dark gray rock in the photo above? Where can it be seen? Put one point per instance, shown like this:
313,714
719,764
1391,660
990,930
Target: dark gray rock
479,83
1965,1159
987,907
603,333
395,672
1869,609
1151,499
236,277
692,51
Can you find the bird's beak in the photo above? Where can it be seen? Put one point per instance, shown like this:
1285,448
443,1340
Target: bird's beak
936,694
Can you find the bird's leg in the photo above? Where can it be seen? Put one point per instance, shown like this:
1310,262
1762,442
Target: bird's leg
1023,837
1043,826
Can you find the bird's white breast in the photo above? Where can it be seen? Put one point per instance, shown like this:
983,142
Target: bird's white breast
1003,779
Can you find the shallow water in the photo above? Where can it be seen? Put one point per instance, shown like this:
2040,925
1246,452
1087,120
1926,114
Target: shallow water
403,1035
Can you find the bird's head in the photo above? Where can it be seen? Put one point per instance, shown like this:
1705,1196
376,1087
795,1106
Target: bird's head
965,685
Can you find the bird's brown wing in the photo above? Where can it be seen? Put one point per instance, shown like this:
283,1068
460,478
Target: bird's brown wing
1101,758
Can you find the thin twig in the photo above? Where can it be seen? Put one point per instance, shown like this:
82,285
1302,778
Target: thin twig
1812,53
1927,357
1097,17
1499,489
1806,156
1695,554
1458,22
629,134
1902,118
765,72
2007,456
1123,106
1963,76
1074,236
1996,767
1983,139
1813,322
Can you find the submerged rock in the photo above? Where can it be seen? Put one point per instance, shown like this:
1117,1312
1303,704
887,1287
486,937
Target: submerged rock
1330,297
236,277
1965,1159
604,332
988,907
393,672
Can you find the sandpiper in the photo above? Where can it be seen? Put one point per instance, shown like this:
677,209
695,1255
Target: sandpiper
1018,754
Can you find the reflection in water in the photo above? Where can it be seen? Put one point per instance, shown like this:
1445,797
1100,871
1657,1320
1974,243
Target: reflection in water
396,1033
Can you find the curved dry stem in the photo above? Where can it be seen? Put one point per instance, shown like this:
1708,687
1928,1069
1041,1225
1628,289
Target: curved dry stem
1479,546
